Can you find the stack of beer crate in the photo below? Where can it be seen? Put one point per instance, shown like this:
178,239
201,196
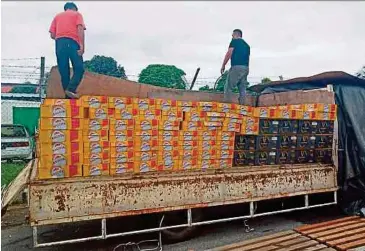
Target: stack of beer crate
96,136
60,145
292,134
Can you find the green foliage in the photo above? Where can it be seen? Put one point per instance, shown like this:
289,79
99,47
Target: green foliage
24,89
106,66
265,81
9,172
163,75
205,88
220,85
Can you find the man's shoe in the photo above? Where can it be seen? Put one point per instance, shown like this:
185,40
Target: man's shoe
72,95
241,100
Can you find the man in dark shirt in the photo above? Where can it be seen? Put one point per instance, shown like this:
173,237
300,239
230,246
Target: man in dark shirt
239,53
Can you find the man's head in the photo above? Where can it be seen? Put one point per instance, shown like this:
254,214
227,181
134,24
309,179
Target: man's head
70,6
237,33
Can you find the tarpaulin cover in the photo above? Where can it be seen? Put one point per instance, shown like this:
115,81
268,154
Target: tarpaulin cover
350,98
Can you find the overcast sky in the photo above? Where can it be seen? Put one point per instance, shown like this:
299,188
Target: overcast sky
292,39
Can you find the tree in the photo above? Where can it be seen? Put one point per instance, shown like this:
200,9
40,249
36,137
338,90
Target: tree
265,81
163,75
105,65
205,88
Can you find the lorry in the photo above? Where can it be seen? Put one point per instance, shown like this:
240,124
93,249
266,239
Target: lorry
102,198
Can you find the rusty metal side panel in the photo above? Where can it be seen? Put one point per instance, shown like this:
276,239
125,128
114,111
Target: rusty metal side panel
104,198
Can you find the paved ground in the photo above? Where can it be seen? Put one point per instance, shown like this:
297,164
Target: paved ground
16,235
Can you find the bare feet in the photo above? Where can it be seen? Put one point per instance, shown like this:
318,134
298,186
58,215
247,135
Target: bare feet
72,95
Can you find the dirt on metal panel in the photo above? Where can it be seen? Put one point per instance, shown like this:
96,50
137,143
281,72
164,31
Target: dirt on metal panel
97,197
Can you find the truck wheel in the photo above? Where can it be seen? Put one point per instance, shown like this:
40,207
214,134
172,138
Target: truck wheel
177,218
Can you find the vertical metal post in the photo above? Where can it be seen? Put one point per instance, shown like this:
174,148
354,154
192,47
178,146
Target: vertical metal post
190,218
306,200
41,77
252,210
103,228
335,196
35,236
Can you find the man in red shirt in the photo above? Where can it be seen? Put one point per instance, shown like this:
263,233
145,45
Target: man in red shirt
68,30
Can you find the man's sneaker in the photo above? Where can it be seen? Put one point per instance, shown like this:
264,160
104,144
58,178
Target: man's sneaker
71,95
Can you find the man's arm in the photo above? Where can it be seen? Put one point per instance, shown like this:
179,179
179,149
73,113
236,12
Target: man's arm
52,29
226,58
81,33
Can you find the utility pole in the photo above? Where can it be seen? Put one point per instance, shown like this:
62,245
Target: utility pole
41,78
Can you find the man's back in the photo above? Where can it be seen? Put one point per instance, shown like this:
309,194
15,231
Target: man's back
65,24
241,52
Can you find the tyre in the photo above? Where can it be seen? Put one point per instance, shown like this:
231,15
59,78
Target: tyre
177,218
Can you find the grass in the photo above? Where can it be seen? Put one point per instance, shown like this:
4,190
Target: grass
10,171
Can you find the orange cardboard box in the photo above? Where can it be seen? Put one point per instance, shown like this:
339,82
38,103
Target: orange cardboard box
169,125
144,104
207,135
166,105
122,146
61,111
145,166
97,158
191,126
60,148
100,113
189,154
122,168
96,147
214,119
194,116
121,125
62,102
188,164
149,114
120,102
94,101
143,146
96,124
327,116
174,154
95,170
251,121
124,135
214,114
245,110
207,106
249,129
92,136
168,145
224,163
226,136
231,127
172,115
188,135
225,145
59,172
189,145
142,125
146,156
208,154
60,124
227,107
298,107
207,145
205,164
168,135
53,136
168,165
121,157
212,124
61,159
187,103
265,112
146,135
125,114
327,108
225,154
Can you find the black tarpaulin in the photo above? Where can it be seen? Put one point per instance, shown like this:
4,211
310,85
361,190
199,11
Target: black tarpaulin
350,98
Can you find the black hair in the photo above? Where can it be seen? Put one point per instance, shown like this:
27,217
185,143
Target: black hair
238,31
69,6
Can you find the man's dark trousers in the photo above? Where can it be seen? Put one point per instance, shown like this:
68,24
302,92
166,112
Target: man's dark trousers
66,50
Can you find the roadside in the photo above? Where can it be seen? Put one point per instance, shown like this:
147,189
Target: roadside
17,235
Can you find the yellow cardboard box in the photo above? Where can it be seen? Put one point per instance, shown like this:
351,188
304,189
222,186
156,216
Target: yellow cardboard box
168,135
169,125
298,107
59,172
94,101
225,154
120,103
121,136
207,106
121,125
327,108
207,135
249,129
207,145
205,164
122,168
207,154
62,102
188,164
225,145
125,114
121,157
53,136
227,107
172,115
149,114
143,146
60,148
231,127
188,135
61,111
194,116
146,136
95,170
226,136
146,156
101,113
191,126
145,166
143,125
188,145
167,105
97,158
121,146
61,159
96,147
60,124
245,110
96,124
93,136
265,112
189,154
168,145
174,154
144,103
168,165
225,163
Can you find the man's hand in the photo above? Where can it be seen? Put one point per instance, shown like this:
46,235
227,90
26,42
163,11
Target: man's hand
223,69
81,51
